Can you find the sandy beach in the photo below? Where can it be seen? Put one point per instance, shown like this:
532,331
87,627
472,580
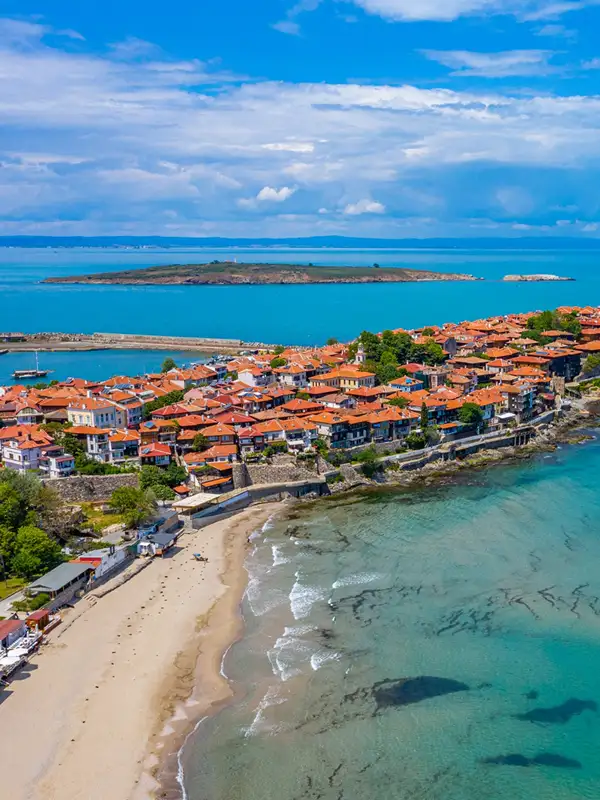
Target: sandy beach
108,699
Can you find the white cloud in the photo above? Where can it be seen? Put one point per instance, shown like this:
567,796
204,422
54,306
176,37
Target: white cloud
448,10
287,26
269,195
494,65
290,147
553,30
364,207
114,141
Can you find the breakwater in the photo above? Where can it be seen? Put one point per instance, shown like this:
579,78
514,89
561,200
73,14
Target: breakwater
56,342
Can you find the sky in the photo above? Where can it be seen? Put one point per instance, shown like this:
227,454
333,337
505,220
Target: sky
386,118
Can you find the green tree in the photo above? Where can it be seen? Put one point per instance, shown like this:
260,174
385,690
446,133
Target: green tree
200,443
73,445
168,364
415,441
368,461
332,340
278,362
470,414
162,492
320,446
151,476
424,417
399,402
168,399
591,363
136,506
427,332
13,508
8,545
35,552
279,349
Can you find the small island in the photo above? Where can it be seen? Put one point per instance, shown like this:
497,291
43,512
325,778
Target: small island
536,278
229,273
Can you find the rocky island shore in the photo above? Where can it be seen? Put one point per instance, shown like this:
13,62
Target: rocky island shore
536,278
228,273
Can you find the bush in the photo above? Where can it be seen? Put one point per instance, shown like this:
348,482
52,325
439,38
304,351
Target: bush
274,448
337,457
591,363
415,441
31,603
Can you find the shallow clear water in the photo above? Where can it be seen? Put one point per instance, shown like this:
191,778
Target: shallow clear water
93,365
491,587
287,314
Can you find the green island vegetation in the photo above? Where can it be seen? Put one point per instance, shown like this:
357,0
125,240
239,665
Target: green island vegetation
229,272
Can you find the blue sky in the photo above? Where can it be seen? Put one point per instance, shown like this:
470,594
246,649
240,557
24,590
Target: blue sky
279,118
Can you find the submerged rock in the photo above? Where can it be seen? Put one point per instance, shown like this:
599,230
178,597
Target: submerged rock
558,715
406,691
541,760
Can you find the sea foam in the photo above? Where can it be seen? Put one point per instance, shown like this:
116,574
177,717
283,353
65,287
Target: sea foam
357,580
303,598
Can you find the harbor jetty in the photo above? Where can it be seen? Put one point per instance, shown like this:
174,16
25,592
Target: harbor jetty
61,342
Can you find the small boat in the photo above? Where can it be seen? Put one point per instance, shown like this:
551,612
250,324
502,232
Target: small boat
3,352
32,373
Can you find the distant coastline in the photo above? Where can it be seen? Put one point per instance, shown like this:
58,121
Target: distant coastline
229,273
337,242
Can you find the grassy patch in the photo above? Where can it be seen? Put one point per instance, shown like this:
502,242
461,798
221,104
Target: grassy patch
11,586
99,519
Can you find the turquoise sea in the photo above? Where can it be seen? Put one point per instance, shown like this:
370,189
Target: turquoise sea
286,314
94,365
434,644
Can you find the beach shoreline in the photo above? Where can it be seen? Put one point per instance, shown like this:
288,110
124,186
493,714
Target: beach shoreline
107,702
210,689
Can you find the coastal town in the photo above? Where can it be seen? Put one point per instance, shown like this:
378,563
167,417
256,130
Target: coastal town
112,474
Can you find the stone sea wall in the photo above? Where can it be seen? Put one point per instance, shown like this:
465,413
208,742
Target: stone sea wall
90,488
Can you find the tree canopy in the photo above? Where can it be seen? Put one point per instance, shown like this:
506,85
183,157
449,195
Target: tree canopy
160,402
385,354
552,321
34,552
136,505
470,414
151,476
168,364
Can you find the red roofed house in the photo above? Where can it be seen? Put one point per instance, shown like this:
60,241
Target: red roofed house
156,454
92,413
